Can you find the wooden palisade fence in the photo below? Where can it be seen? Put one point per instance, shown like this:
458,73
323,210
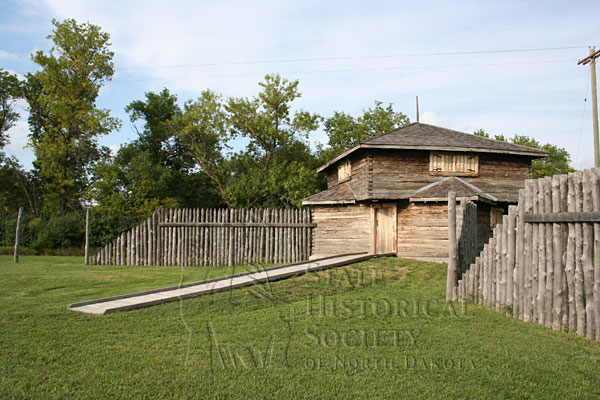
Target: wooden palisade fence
462,241
543,262
213,237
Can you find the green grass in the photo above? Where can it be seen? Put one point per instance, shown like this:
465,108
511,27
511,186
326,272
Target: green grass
385,332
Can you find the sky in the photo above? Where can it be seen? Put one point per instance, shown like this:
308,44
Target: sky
506,67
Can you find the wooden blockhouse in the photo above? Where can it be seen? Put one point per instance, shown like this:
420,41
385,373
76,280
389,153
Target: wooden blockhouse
389,194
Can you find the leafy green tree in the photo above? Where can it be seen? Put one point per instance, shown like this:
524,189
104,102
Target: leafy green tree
279,169
202,128
64,120
557,162
18,187
276,168
155,170
11,89
345,131
157,136
483,133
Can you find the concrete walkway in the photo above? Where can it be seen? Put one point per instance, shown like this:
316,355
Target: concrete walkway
164,295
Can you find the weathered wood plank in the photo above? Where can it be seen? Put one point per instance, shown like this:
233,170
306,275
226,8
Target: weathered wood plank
579,279
588,256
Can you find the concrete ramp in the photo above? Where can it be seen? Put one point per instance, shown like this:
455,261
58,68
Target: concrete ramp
173,293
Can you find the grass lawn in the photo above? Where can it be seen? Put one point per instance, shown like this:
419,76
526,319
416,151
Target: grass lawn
377,329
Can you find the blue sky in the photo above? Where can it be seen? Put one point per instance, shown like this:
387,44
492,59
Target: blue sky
347,54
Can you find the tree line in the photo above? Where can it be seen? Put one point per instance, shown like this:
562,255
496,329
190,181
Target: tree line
182,155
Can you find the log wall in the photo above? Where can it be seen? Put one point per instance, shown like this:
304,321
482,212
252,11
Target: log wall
214,237
542,264
359,175
423,231
341,229
393,174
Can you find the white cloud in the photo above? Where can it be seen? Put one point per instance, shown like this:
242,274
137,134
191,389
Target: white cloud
541,100
430,117
5,55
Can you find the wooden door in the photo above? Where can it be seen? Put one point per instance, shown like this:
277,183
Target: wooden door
384,239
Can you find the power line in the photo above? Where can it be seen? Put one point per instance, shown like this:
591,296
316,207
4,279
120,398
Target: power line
348,70
347,58
587,86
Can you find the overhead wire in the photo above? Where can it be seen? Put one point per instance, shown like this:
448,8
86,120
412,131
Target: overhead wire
348,58
349,70
587,87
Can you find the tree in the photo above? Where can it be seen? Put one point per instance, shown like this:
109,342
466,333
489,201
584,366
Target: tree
276,168
279,169
155,170
11,89
157,136
64,120
345,131
484,134
557,162
202,129
17,187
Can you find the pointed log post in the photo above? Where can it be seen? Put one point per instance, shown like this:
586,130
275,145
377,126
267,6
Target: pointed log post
18,235
541,291
510,262
528,255
579,277
518,290
558,247
596,283
548,297
588,256
452,248
570,257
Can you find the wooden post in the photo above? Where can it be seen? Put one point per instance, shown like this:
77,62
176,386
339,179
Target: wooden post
570,261
588,255
528,255
87,236
504,263
18,235
558,249
518,291
596,283
549,253
452,248
498,264
510,264
485,276
564,207
541,292
492,267
579,279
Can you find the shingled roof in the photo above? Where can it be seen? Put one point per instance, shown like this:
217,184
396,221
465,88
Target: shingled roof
419,136
338,194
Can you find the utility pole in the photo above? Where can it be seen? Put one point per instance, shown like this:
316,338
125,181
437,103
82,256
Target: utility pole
591,59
